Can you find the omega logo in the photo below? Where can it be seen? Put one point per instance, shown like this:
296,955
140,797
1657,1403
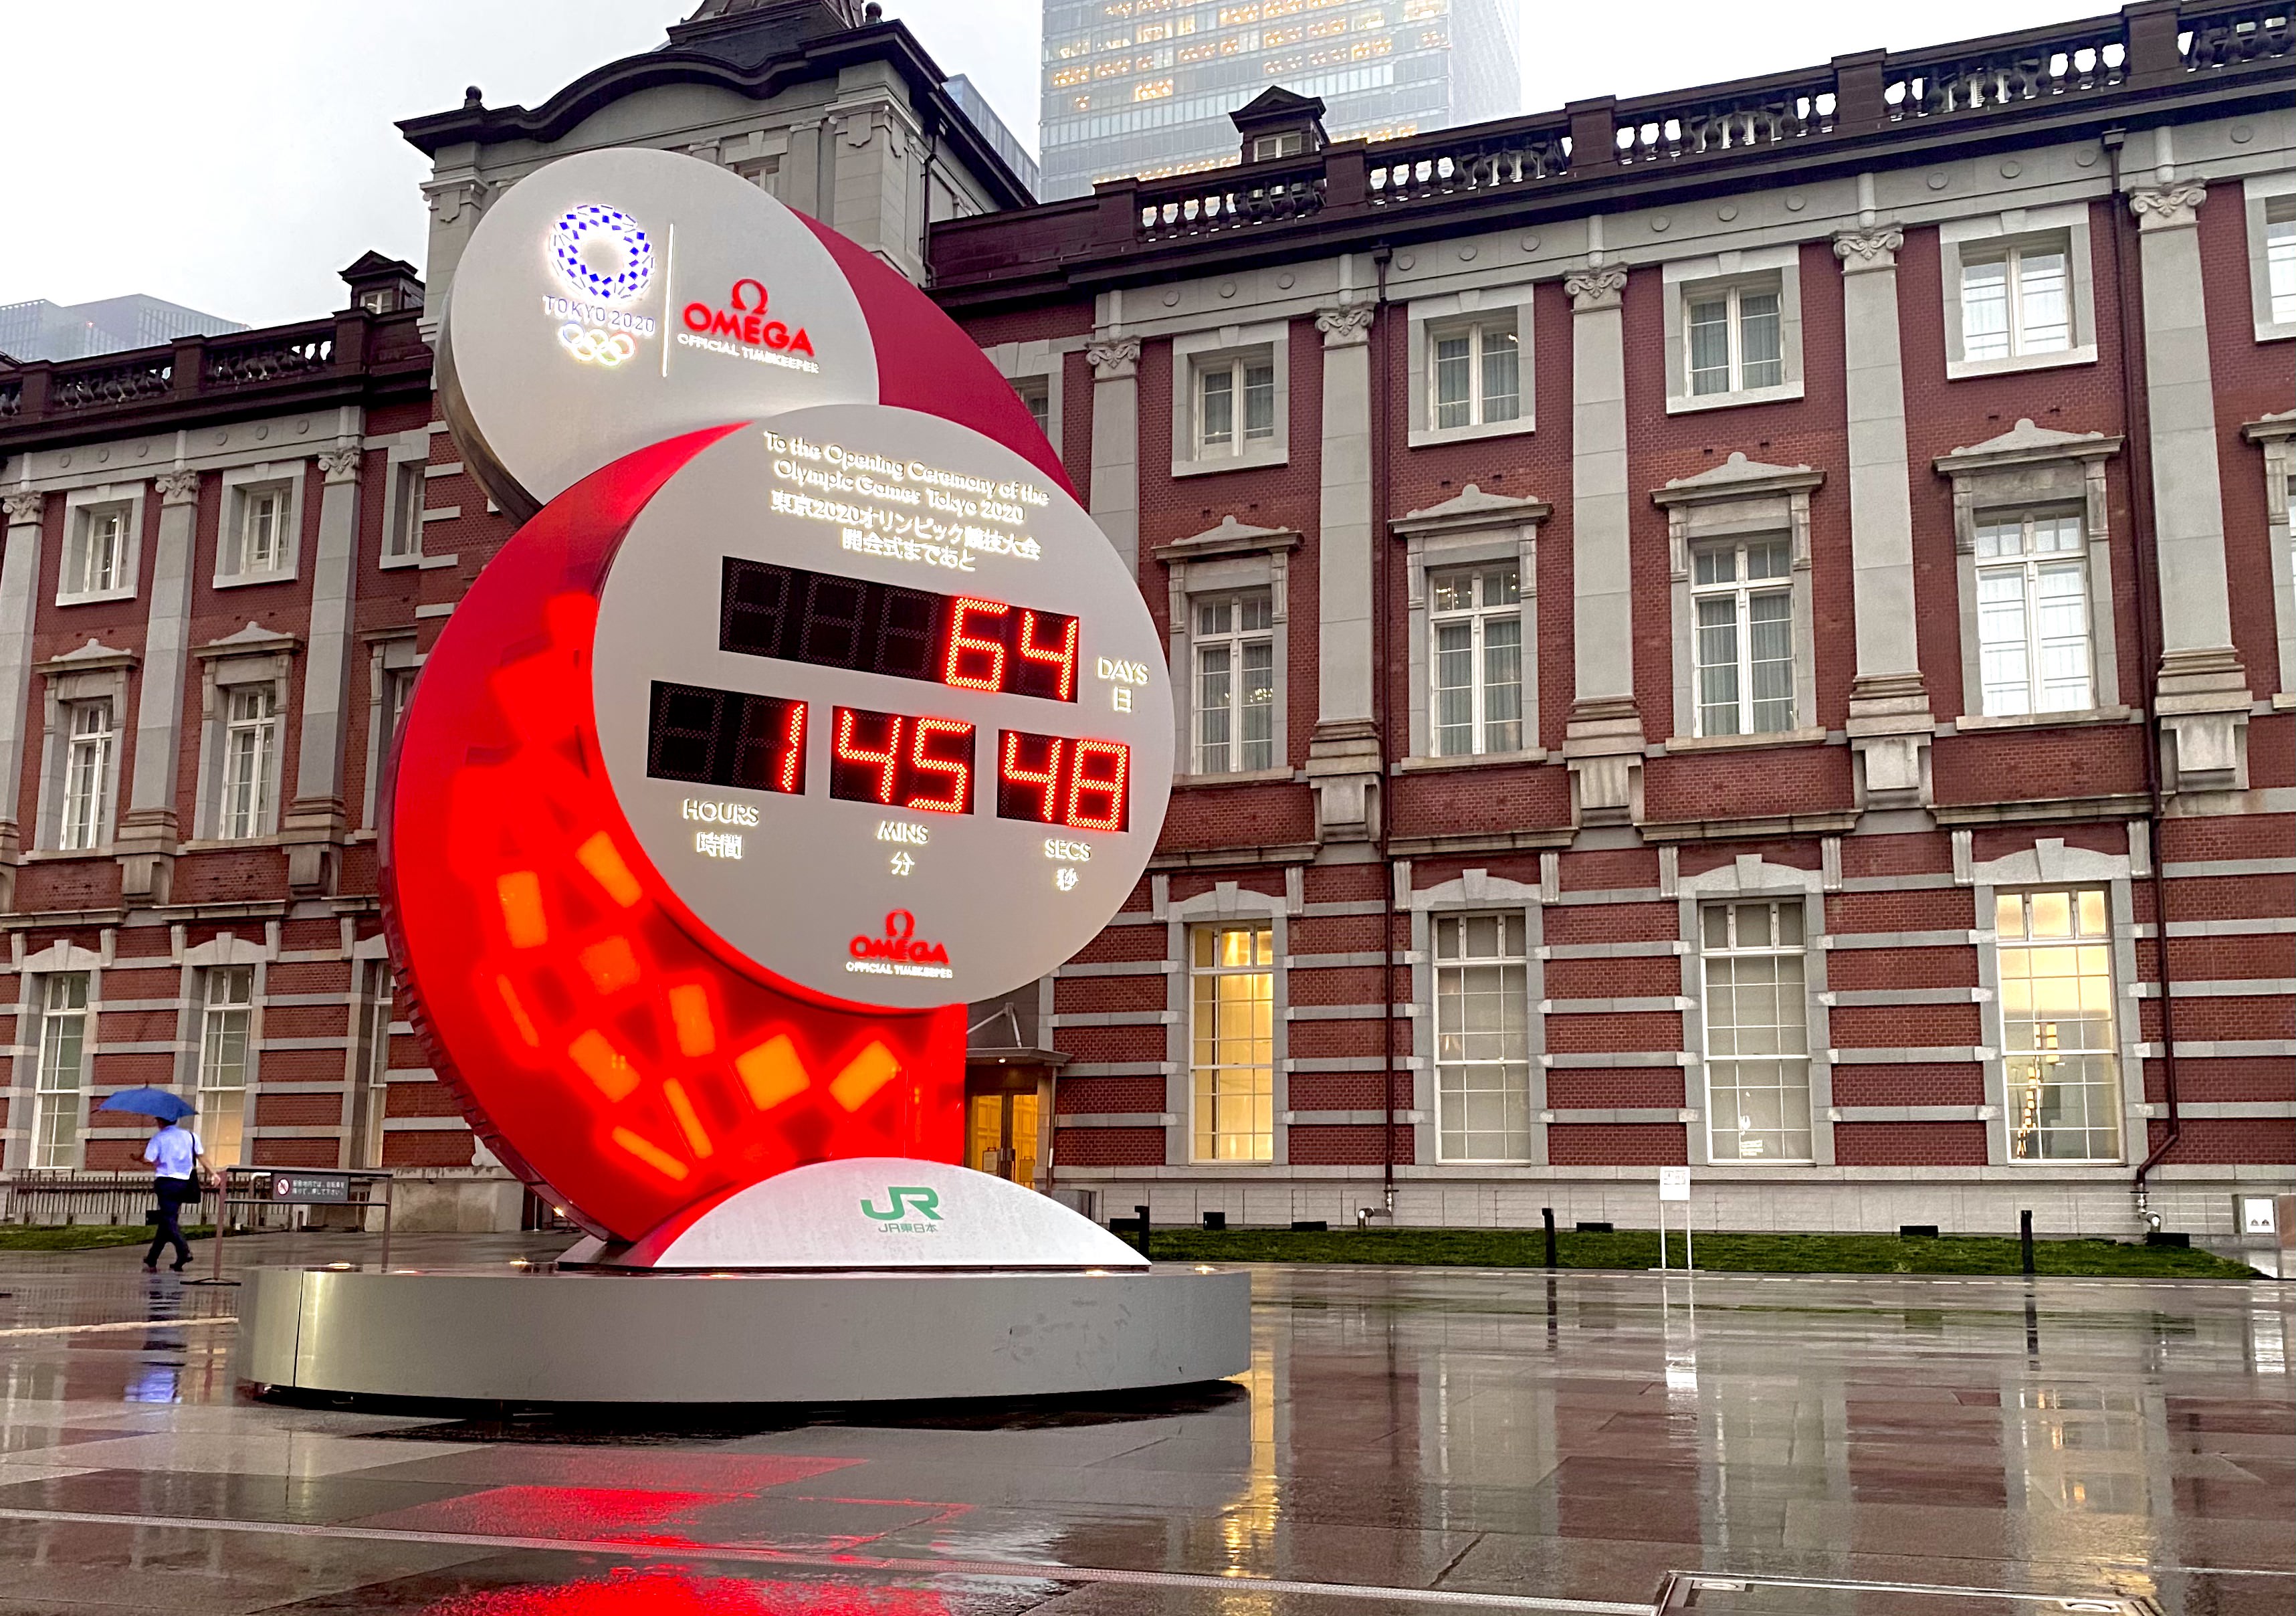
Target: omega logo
744,320
899,943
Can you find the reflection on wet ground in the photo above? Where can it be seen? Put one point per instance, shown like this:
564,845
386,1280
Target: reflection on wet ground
1407,1440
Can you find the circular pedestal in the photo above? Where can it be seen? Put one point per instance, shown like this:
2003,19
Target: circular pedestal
549,1336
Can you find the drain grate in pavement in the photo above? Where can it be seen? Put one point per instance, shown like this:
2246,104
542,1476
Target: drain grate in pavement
1713,1595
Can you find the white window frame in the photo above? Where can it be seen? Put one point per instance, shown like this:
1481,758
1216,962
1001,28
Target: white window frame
83,507
1469,529
2016,1096
53,1087
392,664
405,484
244,486
1740,592
1480,618
1236,640
1457,922
1490,309
1039,364
1741,501
1230,558
91,674
2263,195
91,773
1730,276
1750,878
252,657
370,1078
2021,229
1230,347
227,1000
1194,973
1735,948
2029,566
1738,362
251,722
2275,436
1226,903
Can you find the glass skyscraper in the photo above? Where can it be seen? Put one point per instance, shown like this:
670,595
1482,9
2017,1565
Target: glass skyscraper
1146,86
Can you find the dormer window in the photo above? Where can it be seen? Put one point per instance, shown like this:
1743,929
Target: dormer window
1268,148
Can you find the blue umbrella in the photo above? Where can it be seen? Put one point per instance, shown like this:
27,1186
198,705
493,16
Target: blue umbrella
149,1103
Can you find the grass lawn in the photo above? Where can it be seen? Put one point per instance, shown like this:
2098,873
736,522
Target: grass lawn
84,1236
1716,1253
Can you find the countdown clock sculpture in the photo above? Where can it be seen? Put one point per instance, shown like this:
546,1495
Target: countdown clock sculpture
807,706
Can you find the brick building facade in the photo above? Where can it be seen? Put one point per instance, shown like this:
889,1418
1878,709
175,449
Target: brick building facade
1754,627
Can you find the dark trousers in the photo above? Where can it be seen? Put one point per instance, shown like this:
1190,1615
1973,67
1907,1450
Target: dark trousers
173,1194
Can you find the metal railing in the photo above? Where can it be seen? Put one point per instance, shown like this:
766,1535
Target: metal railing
51,1198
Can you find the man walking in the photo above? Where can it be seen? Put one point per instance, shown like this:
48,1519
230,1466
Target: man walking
176,1159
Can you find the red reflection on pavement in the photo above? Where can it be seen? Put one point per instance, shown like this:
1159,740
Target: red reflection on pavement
668,1591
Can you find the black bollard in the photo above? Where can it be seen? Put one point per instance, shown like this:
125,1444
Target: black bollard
2025,1239
1548,1212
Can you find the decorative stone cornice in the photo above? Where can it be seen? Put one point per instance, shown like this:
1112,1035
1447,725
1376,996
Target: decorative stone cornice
1230,538
2171,207
254,640
1737,477
1599,288
340,465
94,657
178,488
1861,250
24,508
2026,444
1471,510
1349,325
1113,358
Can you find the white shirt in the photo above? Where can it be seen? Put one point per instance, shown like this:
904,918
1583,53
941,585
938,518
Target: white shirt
172,1150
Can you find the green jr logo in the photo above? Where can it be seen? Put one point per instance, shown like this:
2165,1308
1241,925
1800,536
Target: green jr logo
907,1198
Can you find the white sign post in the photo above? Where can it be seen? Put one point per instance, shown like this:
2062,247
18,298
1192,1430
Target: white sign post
1674,1184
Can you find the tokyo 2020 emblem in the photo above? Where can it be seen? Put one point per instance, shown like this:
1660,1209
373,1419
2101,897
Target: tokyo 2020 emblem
603,253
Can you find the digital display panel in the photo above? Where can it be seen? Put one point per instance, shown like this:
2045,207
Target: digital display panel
725,737
1085,785
966,642
896,760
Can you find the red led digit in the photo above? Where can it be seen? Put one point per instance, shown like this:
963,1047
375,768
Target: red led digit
791,773
958,769
1046,780
1098,779
1061,657
960,643
886,762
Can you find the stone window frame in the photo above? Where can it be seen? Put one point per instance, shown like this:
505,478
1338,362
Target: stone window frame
1749,876
1490,307
2049,864
1749,268
224,951
1222,559
253,656
1195,350
2275,436
1043,359
389,654
77,503
32,973
1739,499
93,673
2024,469
1472,892
2258,192
1227,901
402,451
1469,528
2017,228
238,481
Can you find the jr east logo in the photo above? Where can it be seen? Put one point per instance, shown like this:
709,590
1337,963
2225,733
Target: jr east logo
605,260
914,1209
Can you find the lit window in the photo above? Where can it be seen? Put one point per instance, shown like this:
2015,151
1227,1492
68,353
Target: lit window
1475,657
88,751
2032,615
1235,682
1482,1038
98,562
2280,259
1756,1032
63,1071
2063,1080
250,740
224,1023
373,1064
410,479
2014,301
261,534
1235,1042
1218,384
1734,344
1477,375
1743,596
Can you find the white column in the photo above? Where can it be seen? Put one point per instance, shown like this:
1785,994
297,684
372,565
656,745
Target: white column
1116,443
316,820
148,831
19,574
1604,740
1890,723
1343,761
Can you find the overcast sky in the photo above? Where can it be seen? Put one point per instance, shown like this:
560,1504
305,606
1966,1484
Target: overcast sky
233,155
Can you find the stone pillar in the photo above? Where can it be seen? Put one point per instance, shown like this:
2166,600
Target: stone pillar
315,821
1889,722
1116,443
1343,761
457,196
20,576
2203,698
148,834
1603,745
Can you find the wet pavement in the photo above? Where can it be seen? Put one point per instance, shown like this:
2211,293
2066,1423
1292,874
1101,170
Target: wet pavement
1407,1441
